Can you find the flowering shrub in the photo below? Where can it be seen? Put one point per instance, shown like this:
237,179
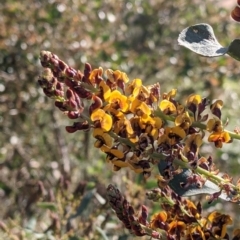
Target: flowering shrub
140,127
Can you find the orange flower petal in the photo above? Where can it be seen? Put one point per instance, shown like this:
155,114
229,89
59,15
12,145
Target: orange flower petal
217,104
95,73
215,125
134,87
167,107
104,119
172,94
175,130
183,118
194,98
157,219
222,136
140,108
106,90
102,136
120,163
118,100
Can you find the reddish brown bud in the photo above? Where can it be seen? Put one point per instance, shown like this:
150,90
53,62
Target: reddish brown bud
59,91
214,196
96,104
61,105
130,210
60,86
125,205
74,114
144,215
54,62
236,11
78,126
70,83
98,79
144,212
121,85
70,72
62,65
48,92
234,17
74,102
78,77
82,125
69,94
82,92
111,85
45,64
87,70
72,105
71,129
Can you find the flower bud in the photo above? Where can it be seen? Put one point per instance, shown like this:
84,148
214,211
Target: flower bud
70,72
74,114
62,65
61,105
87,70
96,104
82,92
78,126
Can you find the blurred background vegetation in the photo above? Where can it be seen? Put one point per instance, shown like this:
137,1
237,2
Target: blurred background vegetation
52,184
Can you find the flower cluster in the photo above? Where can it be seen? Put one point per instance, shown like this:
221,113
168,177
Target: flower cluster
136,223
136,126
120,114
179,218
129,119
182,219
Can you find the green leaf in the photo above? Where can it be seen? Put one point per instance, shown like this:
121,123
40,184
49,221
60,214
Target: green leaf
234,49
208,188
47,205
200,39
